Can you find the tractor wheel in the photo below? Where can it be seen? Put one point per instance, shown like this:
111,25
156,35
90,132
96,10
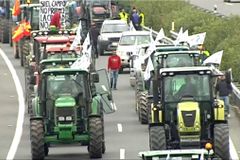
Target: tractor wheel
221,141
143,108
37,139
5,31
25,52
95,134
157,138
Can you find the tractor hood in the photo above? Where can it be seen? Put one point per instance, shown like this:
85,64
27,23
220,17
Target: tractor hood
65,101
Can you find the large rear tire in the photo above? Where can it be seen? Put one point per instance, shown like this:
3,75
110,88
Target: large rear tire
157,138
143,108
96,137
37,139
25,52
221,141
5,31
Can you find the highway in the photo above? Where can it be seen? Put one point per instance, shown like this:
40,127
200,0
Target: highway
125,136
223,8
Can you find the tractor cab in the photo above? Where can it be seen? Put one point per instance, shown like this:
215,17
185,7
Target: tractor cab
68,108
30,12
169,59
187,113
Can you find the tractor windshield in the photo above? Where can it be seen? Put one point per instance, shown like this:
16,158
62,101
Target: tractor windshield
72,85
178,87
178,60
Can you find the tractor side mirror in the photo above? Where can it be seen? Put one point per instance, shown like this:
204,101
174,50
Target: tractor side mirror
95,77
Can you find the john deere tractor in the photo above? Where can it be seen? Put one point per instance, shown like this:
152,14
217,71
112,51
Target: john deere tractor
186,113
68,108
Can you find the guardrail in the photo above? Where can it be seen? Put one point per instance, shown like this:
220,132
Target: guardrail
235,98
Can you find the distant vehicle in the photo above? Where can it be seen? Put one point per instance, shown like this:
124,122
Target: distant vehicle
128,44
110,34
226,0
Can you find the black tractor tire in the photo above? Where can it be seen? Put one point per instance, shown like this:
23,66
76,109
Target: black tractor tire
95,134
221,141
25,52
5,31
143,108
37,139
46,149
157,138
100,50
10,33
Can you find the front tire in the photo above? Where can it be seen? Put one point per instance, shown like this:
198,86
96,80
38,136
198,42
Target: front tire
96,137
157,138
37,139
143,108
221,141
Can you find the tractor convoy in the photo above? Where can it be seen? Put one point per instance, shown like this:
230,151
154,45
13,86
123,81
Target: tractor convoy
67,99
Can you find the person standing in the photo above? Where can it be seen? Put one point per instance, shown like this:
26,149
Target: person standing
114,64
142,18
135,19
94,33
123,15
223,88
56,19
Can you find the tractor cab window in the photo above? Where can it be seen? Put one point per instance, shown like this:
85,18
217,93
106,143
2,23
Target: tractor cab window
178,60
178,87
35,19
72,85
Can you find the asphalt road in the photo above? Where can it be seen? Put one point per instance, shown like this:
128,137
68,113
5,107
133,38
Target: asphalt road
125,136
223,8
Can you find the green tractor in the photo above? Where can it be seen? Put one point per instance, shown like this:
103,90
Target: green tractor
185,112
68,109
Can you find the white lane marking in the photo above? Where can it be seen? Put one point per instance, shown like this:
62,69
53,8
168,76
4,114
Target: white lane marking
229,4
119,126
122,153
21,108
233,151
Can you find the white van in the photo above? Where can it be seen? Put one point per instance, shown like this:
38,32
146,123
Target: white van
128,44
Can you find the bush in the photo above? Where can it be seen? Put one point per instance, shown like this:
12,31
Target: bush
222,34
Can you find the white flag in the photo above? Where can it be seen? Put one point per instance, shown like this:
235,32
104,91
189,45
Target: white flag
88,53
131,27
160,35
149,68
82,63
86,43
215,58
196,39
77,38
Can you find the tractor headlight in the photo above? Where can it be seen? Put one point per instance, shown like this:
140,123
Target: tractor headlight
68,118
59,32
34,34
40,33
65,32
61,118
46,33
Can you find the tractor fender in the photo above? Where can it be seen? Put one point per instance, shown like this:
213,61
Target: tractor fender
95,108
36,112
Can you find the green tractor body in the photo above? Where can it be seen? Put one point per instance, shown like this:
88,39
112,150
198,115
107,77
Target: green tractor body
68,108
185,112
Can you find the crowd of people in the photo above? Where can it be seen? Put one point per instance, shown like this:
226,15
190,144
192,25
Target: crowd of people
136,17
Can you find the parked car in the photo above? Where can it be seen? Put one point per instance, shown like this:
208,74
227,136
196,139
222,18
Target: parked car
129,43
110,34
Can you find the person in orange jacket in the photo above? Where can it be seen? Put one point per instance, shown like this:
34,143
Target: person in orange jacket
56,19
114,64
